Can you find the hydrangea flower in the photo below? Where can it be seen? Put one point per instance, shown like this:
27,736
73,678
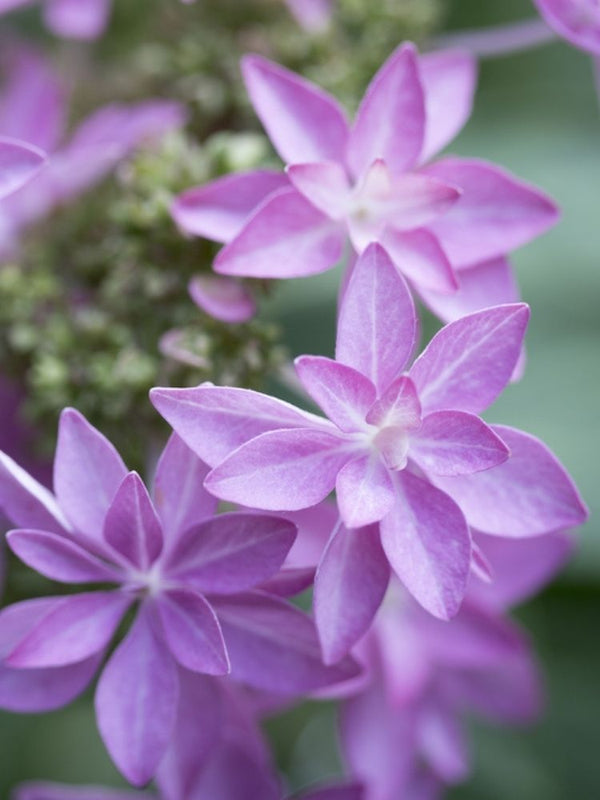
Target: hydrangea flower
408,456
369,182
33,108
73,19
200,583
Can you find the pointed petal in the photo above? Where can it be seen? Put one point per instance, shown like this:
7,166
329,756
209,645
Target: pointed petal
289,582
428,544
349,588
418,255
77,19
213,420
232,552
87,473
25,501
286,237
59,558
342,393
364,491
529,495
136,700
282,470
219,210
456,443
303,122
397,407
192,632
131,526
325,185
19,162
377,325
495,214
390,123
274,646
469,362
78,627
225,299
449,79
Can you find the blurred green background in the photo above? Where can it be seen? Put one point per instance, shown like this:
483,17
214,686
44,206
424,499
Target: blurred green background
537,114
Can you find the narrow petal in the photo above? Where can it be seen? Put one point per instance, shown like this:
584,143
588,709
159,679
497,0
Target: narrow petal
304,123
136,701
131,526
456,443
78,627
325,185
349,588
274,646
19,162
25,501
77,19
232,552
223,298
469,362
428,544
87,473
213,420
282,470
192,632
420,258
529,495
443,742
377,325
286,237
364,491
449,79
397,407
495,214
219,210
390,123
342,393
59,558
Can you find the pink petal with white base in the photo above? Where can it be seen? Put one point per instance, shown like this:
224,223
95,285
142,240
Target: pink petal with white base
390,123
469,362
325,185
136,700
223,298
19,162
304,123
343,393
456,443
219,210
449,79
25,501
364,491
349,588
529,495
287,237
132,526
282,470
377,325
495,214
418,255
428,544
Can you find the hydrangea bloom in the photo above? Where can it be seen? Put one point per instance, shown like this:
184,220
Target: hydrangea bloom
102,527
33,108
369,182
406,452
74,19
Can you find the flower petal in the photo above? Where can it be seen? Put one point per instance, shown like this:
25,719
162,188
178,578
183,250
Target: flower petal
77,19
428,544
220,209
469,362
364,491
286,237
136,700
282,470
349,588
377,325
578,22
418,255
25,501
325,185
19,162
304,123
223,298
132,526
397,407
390,123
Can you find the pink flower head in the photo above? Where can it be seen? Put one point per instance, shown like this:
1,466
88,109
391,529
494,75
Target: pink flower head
368,182
73,19
402,734
200,583
409,457
578,21
33,108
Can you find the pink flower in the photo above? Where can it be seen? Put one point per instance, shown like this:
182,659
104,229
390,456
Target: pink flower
74,19
369,182
408,455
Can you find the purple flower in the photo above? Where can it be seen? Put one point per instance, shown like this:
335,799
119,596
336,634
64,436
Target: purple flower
33,108
578,21
369,182
402,734
410,460
201,583
74,19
